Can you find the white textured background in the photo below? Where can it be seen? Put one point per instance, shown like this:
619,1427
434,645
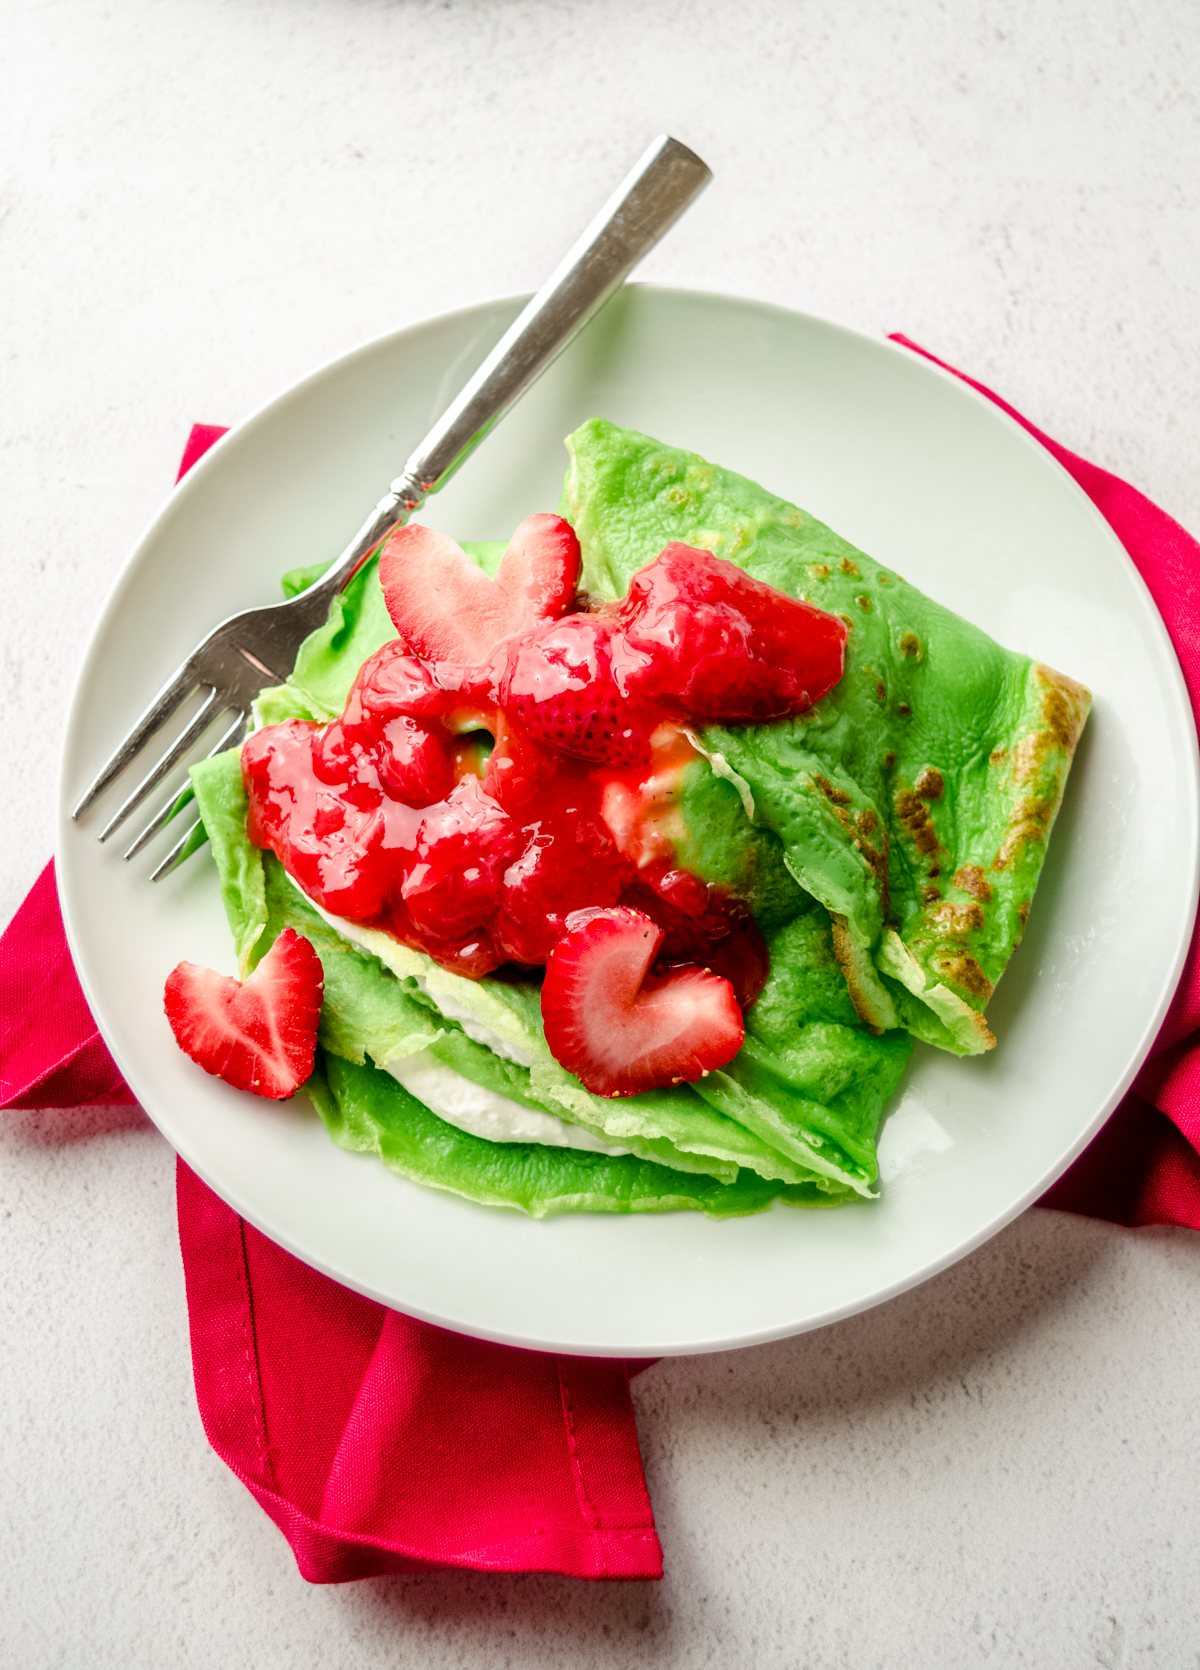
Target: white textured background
202,199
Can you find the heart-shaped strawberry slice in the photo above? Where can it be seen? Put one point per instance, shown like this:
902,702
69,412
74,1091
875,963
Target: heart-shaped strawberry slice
449,610
620,1029
260,1035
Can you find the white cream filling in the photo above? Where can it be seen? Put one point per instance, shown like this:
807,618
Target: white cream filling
458,1100
486,1113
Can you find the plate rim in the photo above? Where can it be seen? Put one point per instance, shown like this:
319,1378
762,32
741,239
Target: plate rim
914,360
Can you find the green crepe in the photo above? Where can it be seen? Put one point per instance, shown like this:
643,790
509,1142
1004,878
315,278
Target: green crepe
914,801
888,844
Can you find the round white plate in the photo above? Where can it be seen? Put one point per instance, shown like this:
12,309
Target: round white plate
909,464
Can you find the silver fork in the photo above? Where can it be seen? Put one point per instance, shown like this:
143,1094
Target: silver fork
258,647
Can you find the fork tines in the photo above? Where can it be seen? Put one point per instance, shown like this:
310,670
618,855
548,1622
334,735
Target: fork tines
174,694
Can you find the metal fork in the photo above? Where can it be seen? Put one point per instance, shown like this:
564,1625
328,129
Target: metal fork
258,647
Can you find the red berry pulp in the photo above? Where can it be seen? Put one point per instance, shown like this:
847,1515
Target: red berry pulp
469,810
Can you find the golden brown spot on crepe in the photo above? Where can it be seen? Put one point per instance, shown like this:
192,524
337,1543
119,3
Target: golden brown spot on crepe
934,870
1029,754
860,830
850,957
866,824
1038,764
847,622
884,578
958,918
904,710
848,567
997,757
971,879
1029,820
1065,706
877,858
930,785
914,816
889,760
965,972
880,690
910,644
819,570
839,797
864,604
930,893
1023,914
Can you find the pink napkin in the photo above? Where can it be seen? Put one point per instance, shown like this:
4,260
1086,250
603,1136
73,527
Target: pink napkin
375,1442
378,1443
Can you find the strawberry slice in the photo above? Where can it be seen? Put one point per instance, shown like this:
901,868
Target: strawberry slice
448,609
620,1029
260,1035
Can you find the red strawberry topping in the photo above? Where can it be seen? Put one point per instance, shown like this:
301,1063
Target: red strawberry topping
449,610
465,844
503,766
560,685
621,1029
702,928
260,1035
554,877
718,646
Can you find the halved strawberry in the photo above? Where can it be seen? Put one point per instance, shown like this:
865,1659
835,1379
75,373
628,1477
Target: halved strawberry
721,646
413,763
260,1035
563,685
466,843
620,1029
448,609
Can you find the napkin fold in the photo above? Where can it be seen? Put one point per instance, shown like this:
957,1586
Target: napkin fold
378,1443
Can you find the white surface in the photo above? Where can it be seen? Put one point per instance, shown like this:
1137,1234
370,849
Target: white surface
936,483
997,1469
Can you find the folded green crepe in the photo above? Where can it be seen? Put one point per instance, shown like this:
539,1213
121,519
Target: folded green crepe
914,801
935,766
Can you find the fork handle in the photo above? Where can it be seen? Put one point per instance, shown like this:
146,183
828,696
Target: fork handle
644,206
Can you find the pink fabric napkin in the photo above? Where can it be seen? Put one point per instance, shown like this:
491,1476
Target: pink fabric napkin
378,1443
375,1442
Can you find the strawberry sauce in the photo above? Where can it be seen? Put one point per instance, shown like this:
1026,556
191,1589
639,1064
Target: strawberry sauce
470,809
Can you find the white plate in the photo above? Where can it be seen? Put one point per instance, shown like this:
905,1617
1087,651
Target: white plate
919,471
